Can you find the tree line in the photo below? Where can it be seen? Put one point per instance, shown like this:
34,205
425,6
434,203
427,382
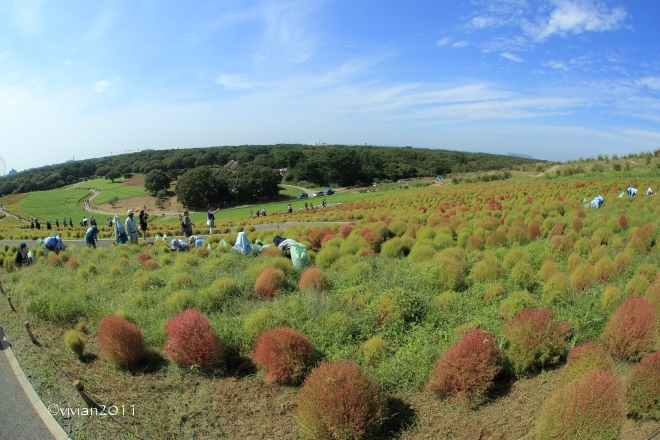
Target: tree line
331,165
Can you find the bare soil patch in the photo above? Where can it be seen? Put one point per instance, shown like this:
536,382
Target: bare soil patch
134,181
170,205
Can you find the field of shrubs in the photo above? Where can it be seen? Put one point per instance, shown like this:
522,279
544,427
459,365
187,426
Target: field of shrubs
499,310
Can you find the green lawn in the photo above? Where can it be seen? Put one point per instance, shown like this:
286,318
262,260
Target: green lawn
99,184
55,204
122,192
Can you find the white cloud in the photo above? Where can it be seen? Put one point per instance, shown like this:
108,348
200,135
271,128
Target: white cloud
483,22
507,44
652,82
443,42
235,82
572,16
101,86
512,57
67,62
556,65
463,43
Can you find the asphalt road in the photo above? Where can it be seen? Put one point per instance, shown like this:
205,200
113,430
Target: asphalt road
18,419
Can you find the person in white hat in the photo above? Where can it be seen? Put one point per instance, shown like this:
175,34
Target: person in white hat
131,227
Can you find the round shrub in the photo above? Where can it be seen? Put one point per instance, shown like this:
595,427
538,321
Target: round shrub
652,295
339,401
445,299
421,253
557,289
374,350
643,388
584,358
523,275
150,264
120,342
444,241
285,354
217,293
574,260
589,407
534,340
327,255
548,269
373,238
191,341
631,331
179,301
516,302
515,256
611,298
623,260
637,286
270,283
313,280
445,273
492,292
474,243
75,342
72,263
648,271
260,321
185,261
583,277
605,269
182,280
488,269
465,372
597,253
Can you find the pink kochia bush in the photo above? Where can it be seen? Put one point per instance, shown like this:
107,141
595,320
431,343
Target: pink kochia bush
534,340
339,401
270,283
643,388
465,372
285,354
590,407
191,341
631,331
313,280
120,341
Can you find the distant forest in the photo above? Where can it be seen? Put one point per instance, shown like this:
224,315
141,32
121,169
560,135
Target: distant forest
320,165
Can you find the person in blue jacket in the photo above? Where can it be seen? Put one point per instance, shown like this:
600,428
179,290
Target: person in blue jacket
91,236
54,244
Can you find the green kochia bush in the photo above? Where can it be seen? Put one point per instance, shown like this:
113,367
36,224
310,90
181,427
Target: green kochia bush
584,358
590,407
643,388
534,340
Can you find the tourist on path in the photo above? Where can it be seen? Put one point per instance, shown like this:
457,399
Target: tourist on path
186,224
143,223
91,236
131,227
210,219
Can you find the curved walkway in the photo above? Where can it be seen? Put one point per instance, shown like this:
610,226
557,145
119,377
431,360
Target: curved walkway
23,416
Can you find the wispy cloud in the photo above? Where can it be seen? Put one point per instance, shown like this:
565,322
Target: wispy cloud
67,62
24,14
444,41
512,57
463,43
652,82
235,82
102,86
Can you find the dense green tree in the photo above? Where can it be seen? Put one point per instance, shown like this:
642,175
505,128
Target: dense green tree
254,183
113,175
156,180
203,186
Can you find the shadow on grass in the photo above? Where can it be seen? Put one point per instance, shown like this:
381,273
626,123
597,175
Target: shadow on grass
88,358
502,384
401,417
152,362
237,365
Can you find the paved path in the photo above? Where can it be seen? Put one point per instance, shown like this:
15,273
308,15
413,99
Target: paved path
21,410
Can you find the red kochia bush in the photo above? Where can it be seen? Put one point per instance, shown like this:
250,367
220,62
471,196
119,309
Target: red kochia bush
623,221
589,407
643,388
313,279
285,354
72,263
345,231
315,238
120,341
143,257
270,282
372,237
192,341
339,401
466,370
631,331
534,340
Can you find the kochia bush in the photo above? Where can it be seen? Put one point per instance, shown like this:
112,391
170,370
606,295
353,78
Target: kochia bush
191,341
584,358
339,401
643,388
590,407
465,372
120,342
631,331
534,340
285,354
270,282
313,280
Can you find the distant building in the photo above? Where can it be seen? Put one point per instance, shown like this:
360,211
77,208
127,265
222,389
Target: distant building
12,172
232,165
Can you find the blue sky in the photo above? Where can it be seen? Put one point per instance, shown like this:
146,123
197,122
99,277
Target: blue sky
556,79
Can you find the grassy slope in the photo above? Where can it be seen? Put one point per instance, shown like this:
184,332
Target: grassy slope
55,204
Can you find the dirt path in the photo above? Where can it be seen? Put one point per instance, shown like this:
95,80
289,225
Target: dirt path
309,192
9,214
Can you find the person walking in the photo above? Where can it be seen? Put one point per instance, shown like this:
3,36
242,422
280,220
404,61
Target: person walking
70,222
64,221
131,227
186,224
57,223
49,226
143,223
37,224
92,236
210,219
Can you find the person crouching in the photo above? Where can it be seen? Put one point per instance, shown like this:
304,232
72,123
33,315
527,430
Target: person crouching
92,236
